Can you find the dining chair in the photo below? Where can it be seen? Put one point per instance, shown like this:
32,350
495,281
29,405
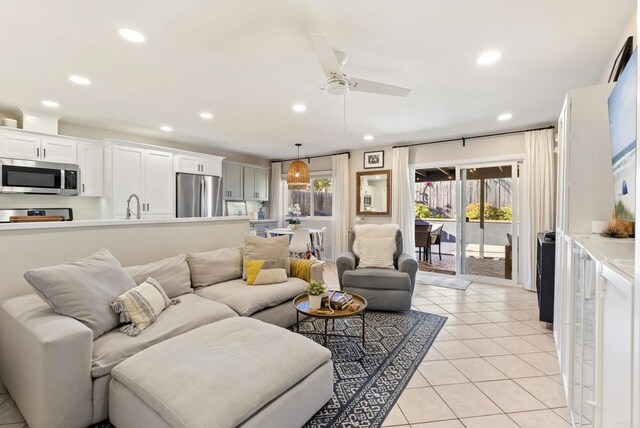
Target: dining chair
300,243
318,242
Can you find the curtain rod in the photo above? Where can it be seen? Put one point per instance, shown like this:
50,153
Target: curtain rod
308,158
464,139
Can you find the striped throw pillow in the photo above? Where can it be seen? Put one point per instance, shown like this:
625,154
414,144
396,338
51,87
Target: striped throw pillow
140,306
377,252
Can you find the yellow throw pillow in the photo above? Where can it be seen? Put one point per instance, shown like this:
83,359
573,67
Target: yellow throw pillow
263,272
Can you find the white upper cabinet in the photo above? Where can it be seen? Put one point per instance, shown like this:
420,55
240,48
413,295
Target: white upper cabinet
90,161
232,181
23,145
205,165
256,182
62,150
16,145
127,178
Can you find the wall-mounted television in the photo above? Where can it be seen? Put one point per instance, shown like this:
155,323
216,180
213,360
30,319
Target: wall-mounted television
622,127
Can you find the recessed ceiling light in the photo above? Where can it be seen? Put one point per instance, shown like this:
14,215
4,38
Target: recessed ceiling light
166,128
206,115
131,35
368,137
80,80
49,103
299,108
505,116
488,57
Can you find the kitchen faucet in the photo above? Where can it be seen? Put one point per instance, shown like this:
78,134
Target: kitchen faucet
133,195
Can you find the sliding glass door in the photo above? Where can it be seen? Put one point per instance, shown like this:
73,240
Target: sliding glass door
487,222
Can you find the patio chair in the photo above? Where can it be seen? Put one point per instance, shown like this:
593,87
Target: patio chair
423,241
436,239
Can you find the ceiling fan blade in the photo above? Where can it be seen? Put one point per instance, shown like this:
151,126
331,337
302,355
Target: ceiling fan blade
361,85
325,53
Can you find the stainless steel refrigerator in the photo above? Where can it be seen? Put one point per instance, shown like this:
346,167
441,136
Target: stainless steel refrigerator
198,195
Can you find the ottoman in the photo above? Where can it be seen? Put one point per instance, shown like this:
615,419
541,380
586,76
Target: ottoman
238,371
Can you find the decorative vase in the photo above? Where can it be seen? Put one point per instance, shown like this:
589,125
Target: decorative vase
260,214
294,226
315,302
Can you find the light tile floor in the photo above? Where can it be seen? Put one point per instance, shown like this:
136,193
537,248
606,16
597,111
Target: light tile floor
492,366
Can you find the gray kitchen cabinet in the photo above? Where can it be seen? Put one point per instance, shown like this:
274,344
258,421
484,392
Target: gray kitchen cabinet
256,184
232,178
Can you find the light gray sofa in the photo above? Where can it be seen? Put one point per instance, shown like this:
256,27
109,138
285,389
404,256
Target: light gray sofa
384,289
59,376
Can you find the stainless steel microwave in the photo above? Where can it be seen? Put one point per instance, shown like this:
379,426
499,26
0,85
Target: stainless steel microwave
44,178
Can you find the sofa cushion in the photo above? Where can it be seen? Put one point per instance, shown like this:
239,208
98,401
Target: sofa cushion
192,312
258,248
247,300
82,289
172,273
215,266
378,279
239,371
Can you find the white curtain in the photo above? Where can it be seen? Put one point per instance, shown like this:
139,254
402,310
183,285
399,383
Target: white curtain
402,197
340,239
276,208
539,199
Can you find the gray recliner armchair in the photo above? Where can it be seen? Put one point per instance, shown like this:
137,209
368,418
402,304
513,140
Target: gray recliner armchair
384,289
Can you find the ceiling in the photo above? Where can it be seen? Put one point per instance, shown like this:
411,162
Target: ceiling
248,62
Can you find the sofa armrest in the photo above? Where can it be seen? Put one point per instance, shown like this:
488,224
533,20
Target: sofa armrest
408,264
346,261
45,363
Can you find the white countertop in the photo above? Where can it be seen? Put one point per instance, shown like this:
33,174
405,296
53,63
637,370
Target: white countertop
117,223
266,220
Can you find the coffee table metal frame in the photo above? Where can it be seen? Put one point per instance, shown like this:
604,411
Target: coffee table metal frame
301,304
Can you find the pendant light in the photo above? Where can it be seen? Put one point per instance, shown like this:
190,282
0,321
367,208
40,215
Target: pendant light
298,175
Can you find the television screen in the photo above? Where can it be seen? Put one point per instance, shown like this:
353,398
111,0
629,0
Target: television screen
622,127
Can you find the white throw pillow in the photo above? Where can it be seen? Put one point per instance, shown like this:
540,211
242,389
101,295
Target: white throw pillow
372,231
377,252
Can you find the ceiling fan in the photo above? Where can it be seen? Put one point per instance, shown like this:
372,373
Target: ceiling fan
339,83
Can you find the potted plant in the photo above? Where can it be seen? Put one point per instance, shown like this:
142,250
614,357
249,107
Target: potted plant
315,290
294,222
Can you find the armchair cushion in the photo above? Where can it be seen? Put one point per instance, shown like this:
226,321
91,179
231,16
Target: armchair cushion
377,252
377,279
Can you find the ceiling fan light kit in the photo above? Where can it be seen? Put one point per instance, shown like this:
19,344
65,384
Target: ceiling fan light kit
298,173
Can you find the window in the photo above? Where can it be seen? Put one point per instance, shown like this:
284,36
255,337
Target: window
316,201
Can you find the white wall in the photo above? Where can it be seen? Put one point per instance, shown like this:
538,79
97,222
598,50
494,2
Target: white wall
131,244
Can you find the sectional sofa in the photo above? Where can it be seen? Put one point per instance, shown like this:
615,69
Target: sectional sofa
60,377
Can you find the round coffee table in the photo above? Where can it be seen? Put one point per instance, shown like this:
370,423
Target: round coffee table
301,303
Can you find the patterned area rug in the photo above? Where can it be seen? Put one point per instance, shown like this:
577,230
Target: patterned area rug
440,281
368,381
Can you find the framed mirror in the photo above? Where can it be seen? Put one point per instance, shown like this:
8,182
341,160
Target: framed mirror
373,193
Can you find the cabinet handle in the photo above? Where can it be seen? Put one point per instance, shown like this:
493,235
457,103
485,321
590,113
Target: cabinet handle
82,187
148,207
44,153
37,152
